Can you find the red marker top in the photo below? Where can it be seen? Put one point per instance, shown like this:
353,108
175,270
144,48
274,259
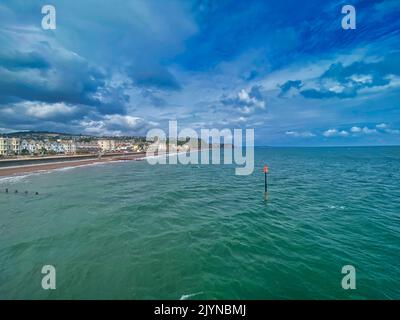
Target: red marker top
266,169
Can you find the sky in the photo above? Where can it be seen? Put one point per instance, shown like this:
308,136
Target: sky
286,69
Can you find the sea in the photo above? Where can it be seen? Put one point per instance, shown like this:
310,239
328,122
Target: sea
131,230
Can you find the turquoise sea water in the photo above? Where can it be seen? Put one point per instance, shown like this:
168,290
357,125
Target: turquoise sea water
135,231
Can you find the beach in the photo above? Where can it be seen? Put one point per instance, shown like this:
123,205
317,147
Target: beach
32,168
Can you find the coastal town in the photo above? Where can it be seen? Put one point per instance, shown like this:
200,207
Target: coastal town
46,144
33,151
52,144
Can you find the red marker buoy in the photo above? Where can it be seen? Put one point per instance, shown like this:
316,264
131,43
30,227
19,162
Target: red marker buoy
266,170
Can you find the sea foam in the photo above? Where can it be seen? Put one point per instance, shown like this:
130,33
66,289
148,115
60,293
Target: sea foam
187,296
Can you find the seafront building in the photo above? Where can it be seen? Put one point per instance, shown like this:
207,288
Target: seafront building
32,146
123,146
15,145
4,146
56,147
107,145
49,146
69,147
9,146
24,146
87,147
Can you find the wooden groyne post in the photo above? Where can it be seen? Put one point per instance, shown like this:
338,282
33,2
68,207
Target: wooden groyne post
17,192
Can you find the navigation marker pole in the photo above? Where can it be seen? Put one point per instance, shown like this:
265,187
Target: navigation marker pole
266,170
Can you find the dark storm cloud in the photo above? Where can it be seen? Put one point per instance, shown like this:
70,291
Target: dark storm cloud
47,73
98,53
21,60
153,77
323,93
154,99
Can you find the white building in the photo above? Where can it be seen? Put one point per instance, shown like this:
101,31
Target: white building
39,146
56,147
87,147
9,146
107,145
4,146
32,146
24,145
15,144
69,147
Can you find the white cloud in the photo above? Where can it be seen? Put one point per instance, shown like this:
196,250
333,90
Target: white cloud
357,131
246,110
125,121
48,111
364,130
337,89
381,126
392,131
246,101
33,111
335,133
240,119
248,98
117,125
361,78
367,130
244,96
296,134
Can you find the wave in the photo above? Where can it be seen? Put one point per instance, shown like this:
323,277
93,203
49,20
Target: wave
14,178
170,154
18,177
187,296
337,207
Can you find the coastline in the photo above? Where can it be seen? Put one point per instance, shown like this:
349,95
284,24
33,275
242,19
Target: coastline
15,171
33,168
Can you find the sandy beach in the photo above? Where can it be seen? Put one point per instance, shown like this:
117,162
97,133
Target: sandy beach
24,169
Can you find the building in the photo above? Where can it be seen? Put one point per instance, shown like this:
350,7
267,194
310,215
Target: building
47,146
88,147
24,146
40,147
9,146
136,147
44,146
107,145
32,146
69,147
56,147
15,144
4,146
124,146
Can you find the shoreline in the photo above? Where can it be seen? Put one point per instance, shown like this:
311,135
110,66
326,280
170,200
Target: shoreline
16,171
